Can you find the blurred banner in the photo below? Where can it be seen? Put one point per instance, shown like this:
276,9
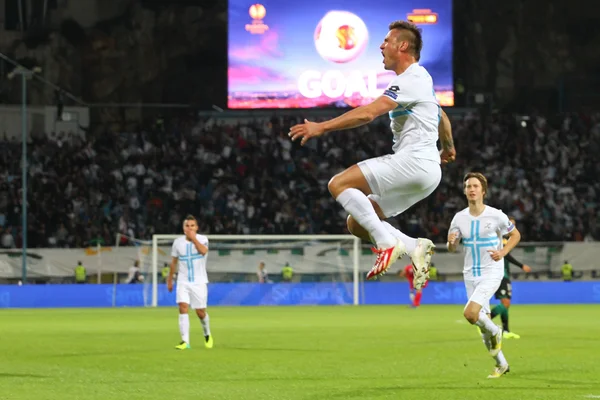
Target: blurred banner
287,294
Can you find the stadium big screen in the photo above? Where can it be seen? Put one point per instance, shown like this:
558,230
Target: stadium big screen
325,53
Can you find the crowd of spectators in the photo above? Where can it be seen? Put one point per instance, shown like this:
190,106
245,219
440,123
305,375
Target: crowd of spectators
244,176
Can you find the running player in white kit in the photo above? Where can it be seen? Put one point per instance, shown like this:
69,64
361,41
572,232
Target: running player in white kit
189,254
481,228
386,186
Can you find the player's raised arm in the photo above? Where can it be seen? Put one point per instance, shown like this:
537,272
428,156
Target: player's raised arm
351,119
445,132
190,234
361,115
201,247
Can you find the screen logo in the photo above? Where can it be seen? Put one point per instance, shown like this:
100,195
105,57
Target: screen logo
341,36
257,13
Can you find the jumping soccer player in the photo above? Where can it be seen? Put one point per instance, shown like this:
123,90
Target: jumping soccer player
386,186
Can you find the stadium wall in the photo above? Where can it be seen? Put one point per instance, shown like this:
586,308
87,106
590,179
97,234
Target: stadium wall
285,294
308,258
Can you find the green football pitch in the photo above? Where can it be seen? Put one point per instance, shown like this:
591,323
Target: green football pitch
316,353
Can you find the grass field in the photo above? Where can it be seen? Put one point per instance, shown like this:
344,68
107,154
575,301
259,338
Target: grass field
296,353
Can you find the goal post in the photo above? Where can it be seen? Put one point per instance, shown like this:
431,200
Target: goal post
352,248
141,253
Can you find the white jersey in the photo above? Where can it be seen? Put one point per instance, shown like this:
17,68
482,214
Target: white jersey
415,121
479,235
191,264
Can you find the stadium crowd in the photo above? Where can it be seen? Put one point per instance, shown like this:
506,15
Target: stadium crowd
246,176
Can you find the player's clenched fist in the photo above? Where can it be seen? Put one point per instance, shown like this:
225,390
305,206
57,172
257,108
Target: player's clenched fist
496,255
448,155
452,238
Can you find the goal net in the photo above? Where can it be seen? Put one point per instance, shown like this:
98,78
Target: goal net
236,258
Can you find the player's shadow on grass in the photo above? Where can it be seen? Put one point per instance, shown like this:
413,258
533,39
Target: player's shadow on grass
14,375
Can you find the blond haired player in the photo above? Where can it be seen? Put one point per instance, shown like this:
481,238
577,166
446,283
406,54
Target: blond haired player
189,254
481,229
386,186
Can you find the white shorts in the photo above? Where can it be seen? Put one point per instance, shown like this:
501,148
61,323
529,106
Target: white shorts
481,290
399,181
194,294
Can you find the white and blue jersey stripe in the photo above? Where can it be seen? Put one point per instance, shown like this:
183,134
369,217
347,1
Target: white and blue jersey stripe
191,264
480,235
415,121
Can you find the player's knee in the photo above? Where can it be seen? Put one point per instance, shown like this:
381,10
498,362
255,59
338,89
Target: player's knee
183,308
471,316
335,186
201,313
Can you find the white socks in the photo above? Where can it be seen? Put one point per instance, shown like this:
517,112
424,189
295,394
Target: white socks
500,359
359,206
488,328
410,243
205,325
184,327
486,324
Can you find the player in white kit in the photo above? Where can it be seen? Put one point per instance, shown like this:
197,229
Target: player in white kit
386,186
189,254
481,229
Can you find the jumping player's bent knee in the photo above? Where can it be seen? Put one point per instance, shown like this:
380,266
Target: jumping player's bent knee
350,178
334,187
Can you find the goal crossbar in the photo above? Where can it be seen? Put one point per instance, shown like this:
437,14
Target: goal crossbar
356,248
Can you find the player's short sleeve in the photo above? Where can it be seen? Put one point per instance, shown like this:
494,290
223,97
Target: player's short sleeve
504,225
174,252
399,90
454,227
